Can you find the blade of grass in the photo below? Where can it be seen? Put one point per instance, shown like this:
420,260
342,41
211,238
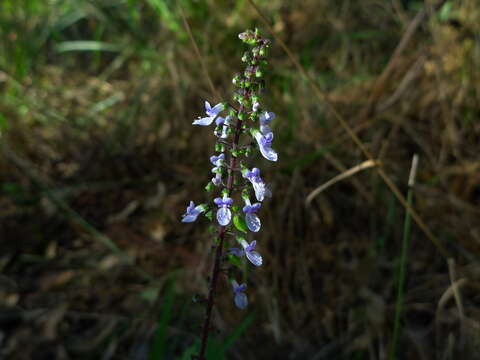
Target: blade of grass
160,338
87,45
231,338
403,261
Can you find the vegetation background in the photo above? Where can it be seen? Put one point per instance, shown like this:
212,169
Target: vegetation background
99,159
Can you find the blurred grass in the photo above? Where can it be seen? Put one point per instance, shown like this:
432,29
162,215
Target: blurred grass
103,92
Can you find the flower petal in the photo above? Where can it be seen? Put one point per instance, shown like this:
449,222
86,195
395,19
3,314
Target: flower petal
267,152
224,216
253,222
265,129
241,300
207,107
259,188
242,287
254,257
216,109
204,121
189,218
237,252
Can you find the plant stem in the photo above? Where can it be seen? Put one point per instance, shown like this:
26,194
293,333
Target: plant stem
219,248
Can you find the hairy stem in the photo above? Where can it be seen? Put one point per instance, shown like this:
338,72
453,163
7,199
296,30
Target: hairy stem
219,248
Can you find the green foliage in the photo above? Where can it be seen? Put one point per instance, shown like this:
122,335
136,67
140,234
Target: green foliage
240,224
160,349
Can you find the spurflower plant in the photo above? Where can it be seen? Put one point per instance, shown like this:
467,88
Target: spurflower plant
239,129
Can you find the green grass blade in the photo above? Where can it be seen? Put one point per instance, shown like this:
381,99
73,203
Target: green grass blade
160,338
407,224
87,45
238,331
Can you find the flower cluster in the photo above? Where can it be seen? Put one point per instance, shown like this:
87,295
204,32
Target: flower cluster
239,129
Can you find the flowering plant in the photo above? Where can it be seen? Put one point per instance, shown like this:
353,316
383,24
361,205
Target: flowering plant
243,127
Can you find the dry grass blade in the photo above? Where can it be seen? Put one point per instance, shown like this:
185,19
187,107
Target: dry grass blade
321,96
199,55
364,165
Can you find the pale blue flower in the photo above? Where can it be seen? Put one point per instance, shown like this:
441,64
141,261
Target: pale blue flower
218,162
211,114
249,251
259,186
224,215
252,220
265,119
240,298
225,122
265,144
217,180
192,212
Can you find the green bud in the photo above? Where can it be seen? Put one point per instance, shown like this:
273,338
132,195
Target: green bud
219,147
234,152
241,116
258,73
235,208
209,215
209,187
236,79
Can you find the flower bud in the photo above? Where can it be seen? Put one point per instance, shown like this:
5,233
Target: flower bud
219,147
209,187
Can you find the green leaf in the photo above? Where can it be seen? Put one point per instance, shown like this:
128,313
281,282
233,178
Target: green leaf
234,260
239,223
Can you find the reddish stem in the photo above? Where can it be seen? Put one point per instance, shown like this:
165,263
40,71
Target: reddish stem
219,248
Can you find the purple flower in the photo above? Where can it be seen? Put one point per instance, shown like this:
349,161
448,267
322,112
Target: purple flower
259,186
217,160
240,298
192,212
217,180
224,215
252,220
265,119
211,112
265,144
249,251
226,123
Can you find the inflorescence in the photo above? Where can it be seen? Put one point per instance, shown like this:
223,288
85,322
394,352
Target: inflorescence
239,131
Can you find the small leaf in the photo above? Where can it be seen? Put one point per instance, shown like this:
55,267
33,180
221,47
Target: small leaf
239,223
235,261
209,215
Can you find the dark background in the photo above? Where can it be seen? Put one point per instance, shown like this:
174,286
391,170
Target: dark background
99,160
